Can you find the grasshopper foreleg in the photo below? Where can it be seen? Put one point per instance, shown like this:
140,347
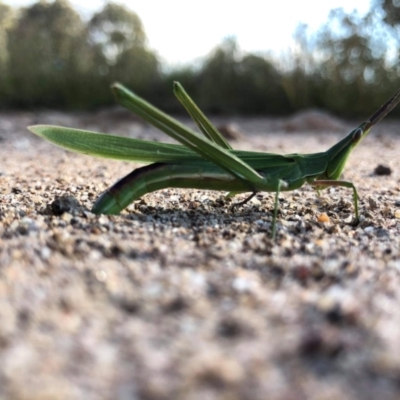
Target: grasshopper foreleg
281,184
346,184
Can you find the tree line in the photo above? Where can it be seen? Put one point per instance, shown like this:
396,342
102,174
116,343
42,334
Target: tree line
51,58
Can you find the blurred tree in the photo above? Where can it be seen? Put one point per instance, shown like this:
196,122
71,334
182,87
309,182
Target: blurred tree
217,78
299,76
345,64
7,19
48,55
232,83
119,43
392,10
260,88
353,50
115,30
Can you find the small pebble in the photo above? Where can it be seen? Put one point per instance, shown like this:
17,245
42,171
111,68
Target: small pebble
64,204
230,131
373,204
382,170
323,218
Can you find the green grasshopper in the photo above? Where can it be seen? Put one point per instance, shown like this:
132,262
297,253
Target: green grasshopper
205,161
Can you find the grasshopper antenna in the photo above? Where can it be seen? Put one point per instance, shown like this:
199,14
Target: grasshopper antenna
384,109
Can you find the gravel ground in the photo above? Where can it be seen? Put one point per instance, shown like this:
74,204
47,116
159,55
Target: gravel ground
180,298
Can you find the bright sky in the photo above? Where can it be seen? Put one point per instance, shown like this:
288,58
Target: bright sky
181,30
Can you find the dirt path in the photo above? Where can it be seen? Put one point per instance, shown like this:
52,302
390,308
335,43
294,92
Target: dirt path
178,298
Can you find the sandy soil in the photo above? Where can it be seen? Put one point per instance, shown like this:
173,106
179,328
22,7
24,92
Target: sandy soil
180,298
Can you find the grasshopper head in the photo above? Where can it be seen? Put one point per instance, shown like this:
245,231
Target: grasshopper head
360,132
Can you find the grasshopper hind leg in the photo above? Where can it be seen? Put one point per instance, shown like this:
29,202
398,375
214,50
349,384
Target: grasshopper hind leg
246,200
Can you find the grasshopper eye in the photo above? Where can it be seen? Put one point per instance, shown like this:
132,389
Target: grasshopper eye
357,135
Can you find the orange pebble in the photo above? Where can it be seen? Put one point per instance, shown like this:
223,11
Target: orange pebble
323,218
